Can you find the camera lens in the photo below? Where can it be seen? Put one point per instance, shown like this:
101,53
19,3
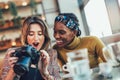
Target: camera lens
22,66
19,70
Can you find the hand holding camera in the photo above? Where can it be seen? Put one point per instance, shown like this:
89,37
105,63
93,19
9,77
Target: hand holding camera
22,58
12,60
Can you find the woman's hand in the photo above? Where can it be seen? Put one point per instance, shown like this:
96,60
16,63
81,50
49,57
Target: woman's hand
43,60
43,63
11,59
8,73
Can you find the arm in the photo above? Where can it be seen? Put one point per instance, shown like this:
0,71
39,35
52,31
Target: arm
98,48
54,68
10,75
7,70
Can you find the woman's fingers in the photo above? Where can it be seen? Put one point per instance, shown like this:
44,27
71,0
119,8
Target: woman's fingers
44,59
12,61
44,55
10,52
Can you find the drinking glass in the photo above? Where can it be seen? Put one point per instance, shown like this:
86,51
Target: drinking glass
116,50
79,64
105,69
111,52
77,55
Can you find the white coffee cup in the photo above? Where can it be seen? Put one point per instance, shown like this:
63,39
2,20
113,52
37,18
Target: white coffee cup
67,68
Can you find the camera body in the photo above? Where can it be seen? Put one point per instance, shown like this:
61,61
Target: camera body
27,55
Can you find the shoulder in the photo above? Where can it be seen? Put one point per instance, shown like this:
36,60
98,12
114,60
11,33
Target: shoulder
53,56
92,38
52,52
95,40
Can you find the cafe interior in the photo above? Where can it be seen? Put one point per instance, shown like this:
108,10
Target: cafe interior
99,18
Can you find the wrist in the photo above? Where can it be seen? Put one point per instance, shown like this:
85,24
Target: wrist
47,76
12,72
10,75
45,73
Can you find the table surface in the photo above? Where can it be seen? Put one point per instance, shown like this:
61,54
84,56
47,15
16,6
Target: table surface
115,74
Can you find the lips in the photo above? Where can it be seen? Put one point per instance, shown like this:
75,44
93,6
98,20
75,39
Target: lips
59,42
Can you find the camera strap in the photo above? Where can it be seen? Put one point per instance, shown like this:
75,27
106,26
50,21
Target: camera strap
36,71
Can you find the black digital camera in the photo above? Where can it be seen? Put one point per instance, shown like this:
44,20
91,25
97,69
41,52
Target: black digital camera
27,55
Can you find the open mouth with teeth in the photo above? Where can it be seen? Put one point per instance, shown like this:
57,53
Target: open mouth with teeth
59,42
35,44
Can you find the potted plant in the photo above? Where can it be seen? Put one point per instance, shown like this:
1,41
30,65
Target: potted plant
33,7
13,10
2,22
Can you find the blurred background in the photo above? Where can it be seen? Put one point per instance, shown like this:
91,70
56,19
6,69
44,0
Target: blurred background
100,18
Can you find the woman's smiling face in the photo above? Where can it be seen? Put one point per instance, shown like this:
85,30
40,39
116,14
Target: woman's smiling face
35,36
62,34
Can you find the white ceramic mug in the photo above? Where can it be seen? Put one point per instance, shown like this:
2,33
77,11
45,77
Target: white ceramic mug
67,68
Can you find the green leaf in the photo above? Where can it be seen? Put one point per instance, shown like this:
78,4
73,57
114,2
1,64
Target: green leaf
13,8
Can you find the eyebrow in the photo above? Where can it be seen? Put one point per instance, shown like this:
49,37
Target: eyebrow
33,31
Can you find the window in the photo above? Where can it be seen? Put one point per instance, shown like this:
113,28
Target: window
119,2
97,18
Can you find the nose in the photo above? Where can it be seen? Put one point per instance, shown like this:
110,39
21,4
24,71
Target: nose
36,38
56,35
